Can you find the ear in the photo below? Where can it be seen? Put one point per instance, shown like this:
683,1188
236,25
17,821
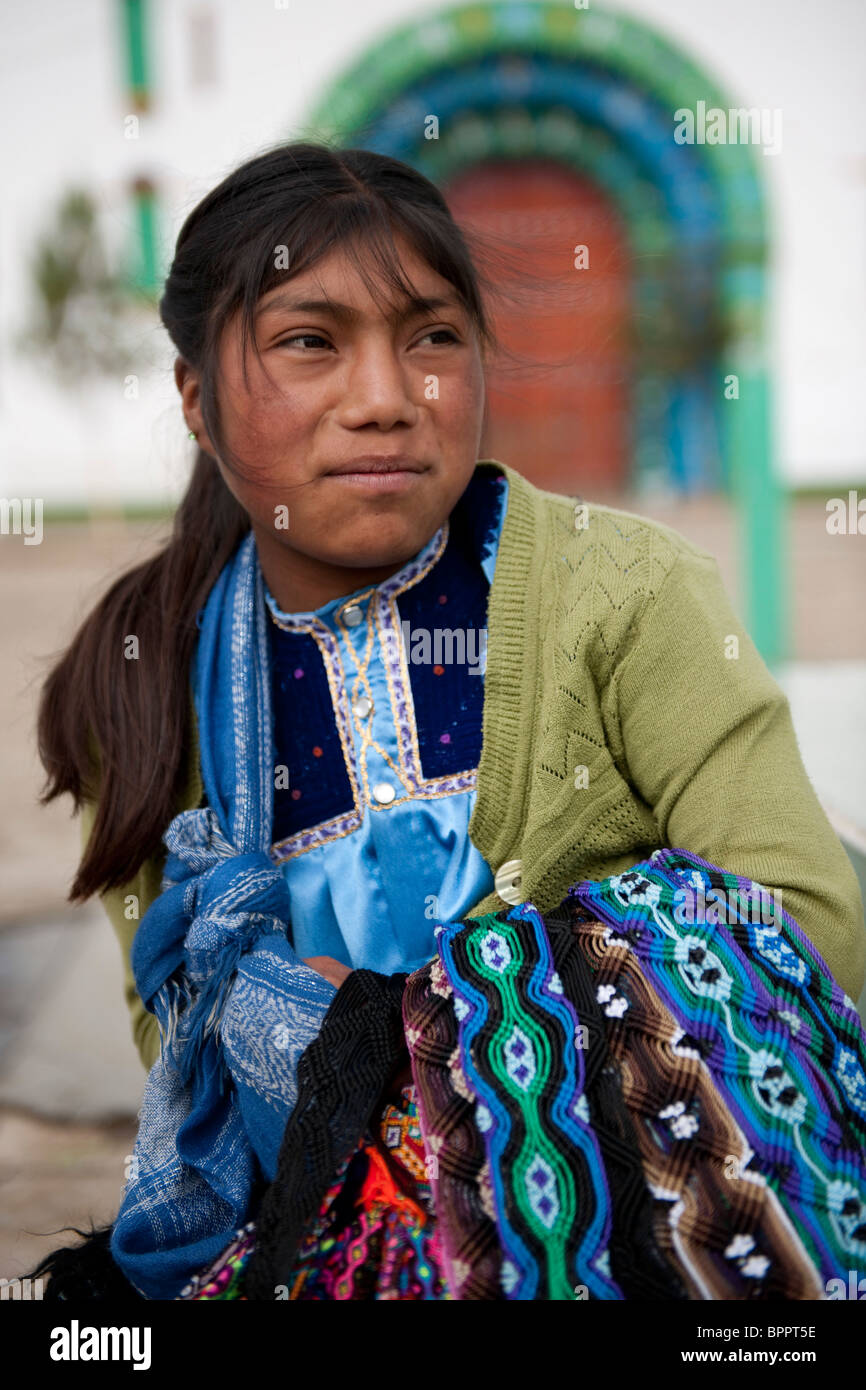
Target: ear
188,384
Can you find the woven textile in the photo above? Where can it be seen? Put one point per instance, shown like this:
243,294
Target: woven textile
374,1236
653,1092
778,1071
541,1191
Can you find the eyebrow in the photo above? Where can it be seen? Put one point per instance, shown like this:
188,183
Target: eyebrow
416,304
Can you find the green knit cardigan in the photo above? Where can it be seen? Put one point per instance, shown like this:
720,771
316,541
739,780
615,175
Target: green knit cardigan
611,649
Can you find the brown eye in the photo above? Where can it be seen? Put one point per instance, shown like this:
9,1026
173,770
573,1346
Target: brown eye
303,337
437,332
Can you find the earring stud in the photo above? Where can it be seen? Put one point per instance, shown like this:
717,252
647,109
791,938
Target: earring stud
192,434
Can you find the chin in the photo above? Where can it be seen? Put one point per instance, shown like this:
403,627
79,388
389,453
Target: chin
381,557
393,541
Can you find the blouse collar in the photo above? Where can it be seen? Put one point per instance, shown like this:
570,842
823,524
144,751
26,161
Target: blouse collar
412,570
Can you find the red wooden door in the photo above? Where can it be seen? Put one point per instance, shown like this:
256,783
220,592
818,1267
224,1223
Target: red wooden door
565,427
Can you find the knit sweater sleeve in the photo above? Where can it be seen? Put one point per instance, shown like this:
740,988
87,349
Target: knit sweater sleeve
707,738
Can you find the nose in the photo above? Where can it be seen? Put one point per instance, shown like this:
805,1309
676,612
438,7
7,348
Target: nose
377,389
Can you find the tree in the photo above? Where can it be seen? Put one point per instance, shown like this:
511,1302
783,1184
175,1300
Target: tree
82,309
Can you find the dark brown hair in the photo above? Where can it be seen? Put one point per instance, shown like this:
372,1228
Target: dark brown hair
114,729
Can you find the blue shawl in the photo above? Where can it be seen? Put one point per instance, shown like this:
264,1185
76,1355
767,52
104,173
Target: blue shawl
212,959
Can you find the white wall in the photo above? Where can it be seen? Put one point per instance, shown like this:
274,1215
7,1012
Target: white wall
62,107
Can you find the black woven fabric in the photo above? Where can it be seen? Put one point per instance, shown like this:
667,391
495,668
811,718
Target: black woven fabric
342,1075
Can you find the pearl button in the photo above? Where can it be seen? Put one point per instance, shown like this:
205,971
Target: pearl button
353,615
384,792
362,706
507,881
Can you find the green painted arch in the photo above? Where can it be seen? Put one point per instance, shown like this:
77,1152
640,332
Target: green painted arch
591,152
651,63
612,40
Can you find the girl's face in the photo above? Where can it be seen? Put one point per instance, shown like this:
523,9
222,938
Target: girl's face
351,376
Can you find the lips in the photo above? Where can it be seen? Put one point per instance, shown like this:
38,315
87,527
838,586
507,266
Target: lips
378,463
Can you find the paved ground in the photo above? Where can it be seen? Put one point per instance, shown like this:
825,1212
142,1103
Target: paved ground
70,1080
55,1175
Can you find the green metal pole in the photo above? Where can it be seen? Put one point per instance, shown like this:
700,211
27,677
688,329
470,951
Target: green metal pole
135,29
760,507
147,269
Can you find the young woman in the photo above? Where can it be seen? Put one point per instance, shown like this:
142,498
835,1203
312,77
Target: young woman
374,688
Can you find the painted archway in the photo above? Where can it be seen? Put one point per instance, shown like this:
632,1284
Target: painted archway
565,426
596,91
